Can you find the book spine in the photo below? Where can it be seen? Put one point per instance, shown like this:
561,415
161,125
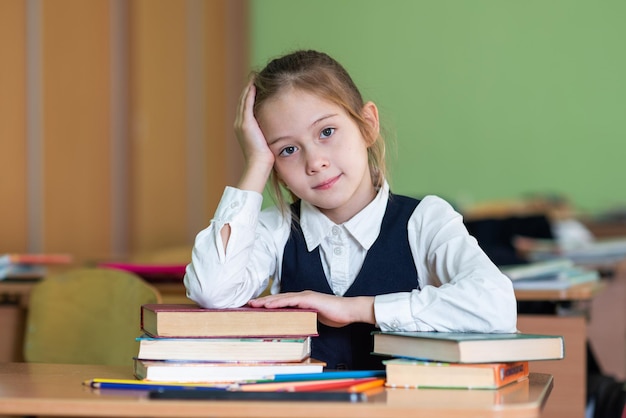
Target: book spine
510,372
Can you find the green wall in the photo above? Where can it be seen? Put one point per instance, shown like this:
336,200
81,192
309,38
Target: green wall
485,99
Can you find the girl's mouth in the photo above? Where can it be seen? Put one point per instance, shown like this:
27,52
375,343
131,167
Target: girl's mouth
328,183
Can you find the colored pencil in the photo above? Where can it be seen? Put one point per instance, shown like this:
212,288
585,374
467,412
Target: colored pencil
365,386
305,386
327,375
100,383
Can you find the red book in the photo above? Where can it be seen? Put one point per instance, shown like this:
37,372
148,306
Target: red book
190,320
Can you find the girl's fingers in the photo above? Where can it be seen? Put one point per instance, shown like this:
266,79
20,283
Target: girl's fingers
244,103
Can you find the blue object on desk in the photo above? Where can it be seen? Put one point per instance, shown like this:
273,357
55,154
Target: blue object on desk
340,374
227,395
151,386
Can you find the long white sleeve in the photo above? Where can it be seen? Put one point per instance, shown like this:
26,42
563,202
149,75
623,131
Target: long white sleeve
218,277
461,289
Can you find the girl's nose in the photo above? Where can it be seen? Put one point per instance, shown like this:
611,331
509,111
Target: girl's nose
316,161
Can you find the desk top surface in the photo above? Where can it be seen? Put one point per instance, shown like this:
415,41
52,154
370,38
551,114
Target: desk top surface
52,389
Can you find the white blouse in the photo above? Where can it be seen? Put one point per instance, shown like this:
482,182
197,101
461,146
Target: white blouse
461,289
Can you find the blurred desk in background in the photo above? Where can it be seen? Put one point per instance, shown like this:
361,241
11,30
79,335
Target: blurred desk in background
568,399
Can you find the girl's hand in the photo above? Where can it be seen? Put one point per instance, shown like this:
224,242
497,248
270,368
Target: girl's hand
334,311
258,157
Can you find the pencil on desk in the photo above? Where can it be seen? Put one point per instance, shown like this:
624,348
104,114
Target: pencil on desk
332,384
365,386
305,386
328,375
100,383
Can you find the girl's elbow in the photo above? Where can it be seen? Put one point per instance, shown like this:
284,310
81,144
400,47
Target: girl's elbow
507,322
504,317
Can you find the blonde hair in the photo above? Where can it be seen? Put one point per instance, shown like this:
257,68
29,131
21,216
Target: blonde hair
317,73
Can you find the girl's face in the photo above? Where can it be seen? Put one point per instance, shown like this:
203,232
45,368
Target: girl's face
321,155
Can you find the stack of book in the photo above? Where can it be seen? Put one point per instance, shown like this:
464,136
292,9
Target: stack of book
187,343
462,360
600,253
556,274
29,266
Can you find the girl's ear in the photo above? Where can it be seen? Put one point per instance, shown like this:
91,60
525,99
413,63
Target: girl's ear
370,115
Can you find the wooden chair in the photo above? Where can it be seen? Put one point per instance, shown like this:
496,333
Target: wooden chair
86,316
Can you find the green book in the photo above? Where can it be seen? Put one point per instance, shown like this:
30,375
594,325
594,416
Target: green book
461,347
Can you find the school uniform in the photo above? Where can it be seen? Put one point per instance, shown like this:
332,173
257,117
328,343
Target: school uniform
386,269
446,282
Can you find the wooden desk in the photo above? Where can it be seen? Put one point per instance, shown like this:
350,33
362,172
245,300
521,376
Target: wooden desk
52,389
606,327
568,400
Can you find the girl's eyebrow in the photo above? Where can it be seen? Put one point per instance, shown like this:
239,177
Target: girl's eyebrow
315,122
324,117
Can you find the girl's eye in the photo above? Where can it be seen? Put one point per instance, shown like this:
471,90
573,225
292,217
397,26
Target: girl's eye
327,132
288,151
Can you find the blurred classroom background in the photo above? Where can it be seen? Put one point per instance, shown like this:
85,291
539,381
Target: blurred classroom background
116,116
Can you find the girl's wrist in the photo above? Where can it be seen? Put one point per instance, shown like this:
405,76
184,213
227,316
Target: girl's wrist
365,309
255,177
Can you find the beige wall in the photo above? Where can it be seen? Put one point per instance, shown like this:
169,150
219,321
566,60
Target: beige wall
12,125
115,121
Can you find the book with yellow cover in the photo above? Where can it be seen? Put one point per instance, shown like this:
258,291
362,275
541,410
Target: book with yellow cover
418,374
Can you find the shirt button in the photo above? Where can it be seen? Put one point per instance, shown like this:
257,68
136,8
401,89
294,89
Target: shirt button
234,205
338,251
395,325
336,230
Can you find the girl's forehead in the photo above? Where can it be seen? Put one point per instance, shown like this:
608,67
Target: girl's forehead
298,93
296,99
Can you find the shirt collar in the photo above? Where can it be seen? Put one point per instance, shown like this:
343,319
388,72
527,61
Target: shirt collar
364,226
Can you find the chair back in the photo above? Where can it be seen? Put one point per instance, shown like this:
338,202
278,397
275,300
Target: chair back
86,316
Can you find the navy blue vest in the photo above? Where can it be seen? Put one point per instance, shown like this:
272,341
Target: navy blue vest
388,268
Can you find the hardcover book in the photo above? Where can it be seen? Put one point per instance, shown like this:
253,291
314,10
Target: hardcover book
190,320
225,349
460,347
187,371
419,374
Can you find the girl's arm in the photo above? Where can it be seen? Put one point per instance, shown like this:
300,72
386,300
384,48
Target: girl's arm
461,289
334,311
233,258
258,159
221,275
